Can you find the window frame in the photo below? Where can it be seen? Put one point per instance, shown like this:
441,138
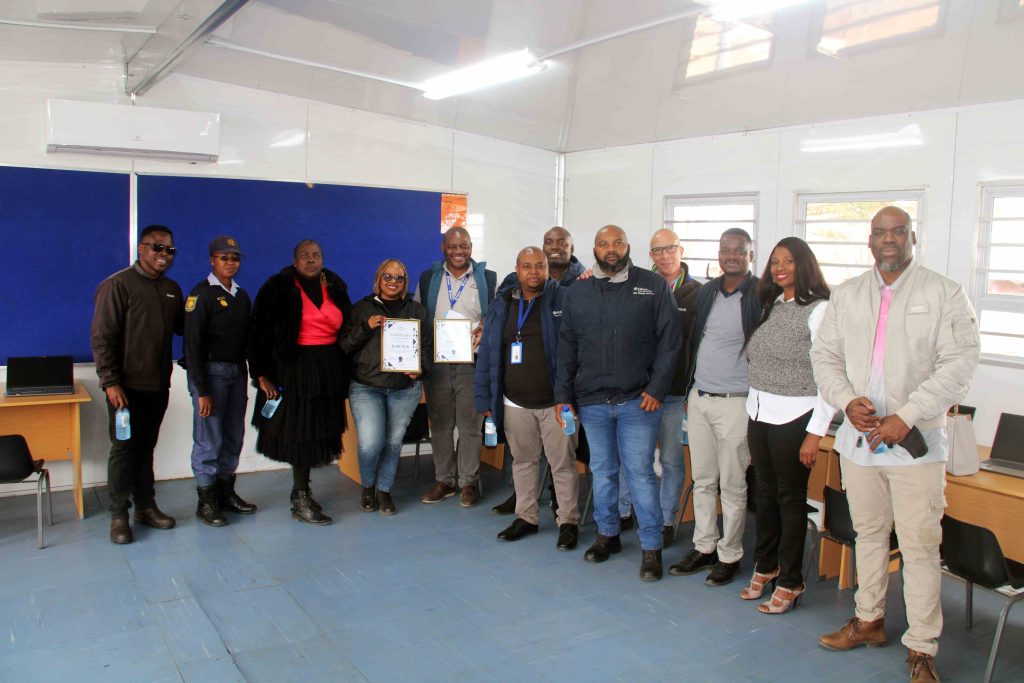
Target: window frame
713,199
981,299
936,31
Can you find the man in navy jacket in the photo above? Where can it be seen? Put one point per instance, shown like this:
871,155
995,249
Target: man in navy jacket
515,375
617,351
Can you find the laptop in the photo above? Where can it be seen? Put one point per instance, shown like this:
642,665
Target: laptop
1008,447
40,376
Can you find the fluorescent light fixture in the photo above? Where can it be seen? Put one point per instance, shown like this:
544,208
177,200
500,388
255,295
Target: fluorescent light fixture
485,74
908,136
738,10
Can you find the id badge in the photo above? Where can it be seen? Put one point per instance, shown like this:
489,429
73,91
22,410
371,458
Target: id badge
516,353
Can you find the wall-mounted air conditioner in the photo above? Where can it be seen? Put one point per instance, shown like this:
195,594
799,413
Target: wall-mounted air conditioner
124,130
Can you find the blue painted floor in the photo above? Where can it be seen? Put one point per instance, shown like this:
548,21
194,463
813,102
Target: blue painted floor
427,595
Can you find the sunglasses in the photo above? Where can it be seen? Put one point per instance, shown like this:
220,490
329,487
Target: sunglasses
157,247
388,277
229,257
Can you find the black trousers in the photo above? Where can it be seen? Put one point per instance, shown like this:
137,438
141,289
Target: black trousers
781,497
130,467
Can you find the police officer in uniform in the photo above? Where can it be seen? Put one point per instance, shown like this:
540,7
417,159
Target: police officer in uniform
216,335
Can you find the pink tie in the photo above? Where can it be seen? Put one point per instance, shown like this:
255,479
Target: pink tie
878,355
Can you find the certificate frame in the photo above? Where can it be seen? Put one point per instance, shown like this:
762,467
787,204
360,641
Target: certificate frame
453,340
395,337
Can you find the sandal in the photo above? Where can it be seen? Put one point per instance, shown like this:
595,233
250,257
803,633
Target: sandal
783,600
758,582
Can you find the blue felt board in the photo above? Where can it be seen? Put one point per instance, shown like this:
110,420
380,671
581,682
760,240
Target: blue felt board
61,233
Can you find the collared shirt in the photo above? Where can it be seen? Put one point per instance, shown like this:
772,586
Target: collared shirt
214,282
853,445
468,303
721,364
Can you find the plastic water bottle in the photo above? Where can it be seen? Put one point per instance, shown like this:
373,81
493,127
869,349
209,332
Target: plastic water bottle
570,421
270,407
881,448
490,432
684,434
122,424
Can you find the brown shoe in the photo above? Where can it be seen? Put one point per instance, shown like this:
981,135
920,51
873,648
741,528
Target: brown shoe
922,667
855,634
153,517
470,496
440,491
120,531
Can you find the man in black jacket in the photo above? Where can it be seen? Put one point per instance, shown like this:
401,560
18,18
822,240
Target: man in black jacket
617,350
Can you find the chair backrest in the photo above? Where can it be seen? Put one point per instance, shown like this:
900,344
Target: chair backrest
15,458
838,522
419,426
973,553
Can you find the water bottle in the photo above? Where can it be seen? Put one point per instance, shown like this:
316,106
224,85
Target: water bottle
882,447
490,432
684,434
570,421
270,407
122,424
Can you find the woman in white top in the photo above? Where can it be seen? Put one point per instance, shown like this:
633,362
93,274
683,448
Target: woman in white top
787,418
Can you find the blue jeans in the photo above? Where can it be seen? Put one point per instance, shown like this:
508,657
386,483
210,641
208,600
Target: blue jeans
217,439
673,467
624,433
382,416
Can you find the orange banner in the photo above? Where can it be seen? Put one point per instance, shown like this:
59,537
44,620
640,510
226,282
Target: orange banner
453,211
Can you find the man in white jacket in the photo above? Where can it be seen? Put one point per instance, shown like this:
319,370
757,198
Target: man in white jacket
898,346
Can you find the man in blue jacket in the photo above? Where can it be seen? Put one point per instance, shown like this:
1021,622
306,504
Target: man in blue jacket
515,375
617,350
457,287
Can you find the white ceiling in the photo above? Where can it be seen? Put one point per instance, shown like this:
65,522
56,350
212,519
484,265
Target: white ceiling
636,88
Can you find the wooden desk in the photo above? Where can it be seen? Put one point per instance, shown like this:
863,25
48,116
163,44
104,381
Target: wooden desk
52,427
991,500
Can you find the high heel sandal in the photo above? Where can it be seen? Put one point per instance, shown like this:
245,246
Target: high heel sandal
758,582
782,600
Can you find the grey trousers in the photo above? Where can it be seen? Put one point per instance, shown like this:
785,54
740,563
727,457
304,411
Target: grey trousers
450,405
528,431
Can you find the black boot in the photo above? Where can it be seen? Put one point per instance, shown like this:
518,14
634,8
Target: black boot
602,548
208,509
368,502
305,509
650,565
120,530
231,501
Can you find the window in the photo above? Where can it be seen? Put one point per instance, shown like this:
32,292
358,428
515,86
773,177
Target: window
718,46
700,222
837,227
999,273
854,23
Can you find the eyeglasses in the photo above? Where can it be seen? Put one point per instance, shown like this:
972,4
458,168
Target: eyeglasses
388,277
667,249
229,257
157,247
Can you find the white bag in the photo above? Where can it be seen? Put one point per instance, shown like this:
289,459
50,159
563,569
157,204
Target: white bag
963,446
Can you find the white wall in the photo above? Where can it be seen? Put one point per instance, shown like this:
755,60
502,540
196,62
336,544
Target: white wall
264,135
959,150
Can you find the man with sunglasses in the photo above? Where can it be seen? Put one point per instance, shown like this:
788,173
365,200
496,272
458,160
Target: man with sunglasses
138,310
216,336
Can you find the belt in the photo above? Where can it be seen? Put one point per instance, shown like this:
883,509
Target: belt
734,394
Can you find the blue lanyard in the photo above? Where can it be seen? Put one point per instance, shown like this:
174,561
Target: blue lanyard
523,316
448,277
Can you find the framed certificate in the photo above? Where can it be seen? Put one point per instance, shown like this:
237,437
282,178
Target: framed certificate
400,345
453,340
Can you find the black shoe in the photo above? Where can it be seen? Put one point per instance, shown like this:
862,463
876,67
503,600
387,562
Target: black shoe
603,548
384,503
627,521
208,509
516,530
506,508
668,535
231,501
722,573
369,499
650,565
305,509
568,537
120,531
152,516
694,561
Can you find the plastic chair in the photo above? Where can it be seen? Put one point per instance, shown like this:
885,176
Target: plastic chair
17,465
972,553
418,433
839,528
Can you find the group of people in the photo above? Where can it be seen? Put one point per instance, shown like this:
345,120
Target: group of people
612,364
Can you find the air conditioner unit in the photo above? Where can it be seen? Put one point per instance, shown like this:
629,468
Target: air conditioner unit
124,130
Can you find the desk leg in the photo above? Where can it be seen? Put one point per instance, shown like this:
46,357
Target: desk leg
76,460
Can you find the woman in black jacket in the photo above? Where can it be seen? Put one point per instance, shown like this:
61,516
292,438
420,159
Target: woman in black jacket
383,401
294,353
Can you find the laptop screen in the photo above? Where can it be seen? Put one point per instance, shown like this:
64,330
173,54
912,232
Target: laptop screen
31,372
1009,441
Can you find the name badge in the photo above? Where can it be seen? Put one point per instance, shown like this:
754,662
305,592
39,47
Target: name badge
516,353
917,308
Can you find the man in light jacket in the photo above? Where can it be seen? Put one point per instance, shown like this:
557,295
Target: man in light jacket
898,347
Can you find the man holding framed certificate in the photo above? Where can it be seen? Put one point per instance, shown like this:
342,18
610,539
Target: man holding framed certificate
456,292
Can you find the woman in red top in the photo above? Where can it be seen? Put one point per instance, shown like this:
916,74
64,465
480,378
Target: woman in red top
294,351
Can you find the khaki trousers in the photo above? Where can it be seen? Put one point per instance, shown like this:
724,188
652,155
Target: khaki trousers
912,496
528,432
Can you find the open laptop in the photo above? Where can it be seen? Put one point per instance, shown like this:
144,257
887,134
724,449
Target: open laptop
40,376
1008,447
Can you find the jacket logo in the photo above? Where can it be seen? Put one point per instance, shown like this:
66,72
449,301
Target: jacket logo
917,308
642,291
556,313
190,304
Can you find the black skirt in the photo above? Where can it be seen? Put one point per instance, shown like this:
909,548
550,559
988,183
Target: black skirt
306,429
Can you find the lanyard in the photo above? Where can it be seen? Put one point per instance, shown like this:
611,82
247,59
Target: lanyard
675,285
523,316
448,277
